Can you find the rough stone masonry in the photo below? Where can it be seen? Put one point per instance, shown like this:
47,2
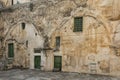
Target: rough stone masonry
29,29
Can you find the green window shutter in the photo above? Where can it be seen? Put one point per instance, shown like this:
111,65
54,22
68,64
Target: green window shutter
78,24
58,62
10,50
37,62
58,41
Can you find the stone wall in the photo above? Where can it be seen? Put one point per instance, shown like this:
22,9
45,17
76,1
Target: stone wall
95,50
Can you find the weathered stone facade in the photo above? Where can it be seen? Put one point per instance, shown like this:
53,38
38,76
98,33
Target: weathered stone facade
94,50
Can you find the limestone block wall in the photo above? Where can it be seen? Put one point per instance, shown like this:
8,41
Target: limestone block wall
108,8
7,3
20,1
25,40
94,50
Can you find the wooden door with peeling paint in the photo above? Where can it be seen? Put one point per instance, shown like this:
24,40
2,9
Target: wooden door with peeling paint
58,63
10,50
37,62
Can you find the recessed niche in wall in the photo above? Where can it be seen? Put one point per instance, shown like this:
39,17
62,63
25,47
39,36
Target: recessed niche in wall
12,2
35,34
31,6
23,26
37,50
27,43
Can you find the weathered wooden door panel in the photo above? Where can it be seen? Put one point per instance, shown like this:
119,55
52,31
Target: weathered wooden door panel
58,62
37,62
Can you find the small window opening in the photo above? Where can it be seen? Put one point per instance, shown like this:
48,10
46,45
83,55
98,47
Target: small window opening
35,34
78,24
12,2
18,2
27,43
31,6
58,41
37,50
23,26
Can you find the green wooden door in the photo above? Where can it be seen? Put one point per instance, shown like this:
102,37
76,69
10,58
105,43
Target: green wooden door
57,62
10,50
37,62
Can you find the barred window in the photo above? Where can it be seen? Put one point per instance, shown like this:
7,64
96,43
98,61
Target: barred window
78,24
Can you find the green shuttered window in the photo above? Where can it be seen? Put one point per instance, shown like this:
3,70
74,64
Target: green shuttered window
10,50
58,62
37,62
78,24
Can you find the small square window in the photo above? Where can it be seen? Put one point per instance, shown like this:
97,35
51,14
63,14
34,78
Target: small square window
78,24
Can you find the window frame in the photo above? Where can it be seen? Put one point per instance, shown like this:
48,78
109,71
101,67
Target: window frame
37,50
57,41
9,55
78,24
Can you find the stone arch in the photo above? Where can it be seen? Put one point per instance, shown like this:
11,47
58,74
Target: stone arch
12,26
103,22
21,47
98,18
